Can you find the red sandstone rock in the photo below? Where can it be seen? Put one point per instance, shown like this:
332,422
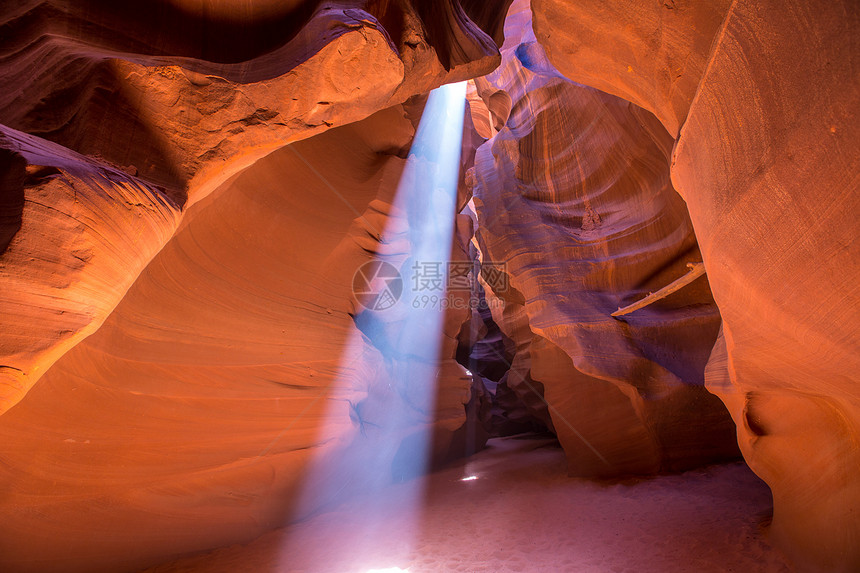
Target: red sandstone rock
769,164
767,161
573,195
182,99
188,419
87,230
650,53
119,117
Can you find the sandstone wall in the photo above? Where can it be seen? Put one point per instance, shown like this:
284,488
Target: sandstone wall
767,162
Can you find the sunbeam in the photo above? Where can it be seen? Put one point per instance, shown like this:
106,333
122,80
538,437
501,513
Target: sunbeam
391,434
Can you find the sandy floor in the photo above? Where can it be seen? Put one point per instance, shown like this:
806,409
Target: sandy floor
518,511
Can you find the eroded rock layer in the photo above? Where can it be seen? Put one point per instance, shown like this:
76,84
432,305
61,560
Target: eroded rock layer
190,419
180,97
237,355
79,232
768,163
650,53
573,197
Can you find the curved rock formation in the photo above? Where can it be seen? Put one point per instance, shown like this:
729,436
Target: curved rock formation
190,418
180,98
768,164
85,231
650,53
573,196
180,229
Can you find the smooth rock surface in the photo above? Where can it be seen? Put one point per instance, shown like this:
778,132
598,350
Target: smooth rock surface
181,97
775,200
192,417
768,163
650,53
84,231
573,197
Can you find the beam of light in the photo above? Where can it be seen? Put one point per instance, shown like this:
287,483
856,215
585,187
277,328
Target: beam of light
427,194
387,381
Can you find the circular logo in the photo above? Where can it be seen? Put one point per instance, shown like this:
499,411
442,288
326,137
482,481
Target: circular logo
377,285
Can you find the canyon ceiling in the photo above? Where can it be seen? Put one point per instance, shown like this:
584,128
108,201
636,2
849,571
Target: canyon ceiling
187,190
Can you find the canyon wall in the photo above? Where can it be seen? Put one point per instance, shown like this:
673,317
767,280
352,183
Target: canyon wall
574,200
767,161
167,101
181,266
187,194
232,366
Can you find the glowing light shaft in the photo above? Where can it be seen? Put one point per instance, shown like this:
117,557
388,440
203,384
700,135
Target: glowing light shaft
394,440
428,195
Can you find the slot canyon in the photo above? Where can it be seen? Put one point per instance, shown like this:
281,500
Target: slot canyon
413,286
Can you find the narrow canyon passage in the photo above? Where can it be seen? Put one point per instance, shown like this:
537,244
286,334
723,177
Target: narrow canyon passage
509,285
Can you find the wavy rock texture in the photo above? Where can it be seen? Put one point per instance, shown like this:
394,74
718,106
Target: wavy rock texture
84,231
180,98
227,359
188,420
768,163
775,203
205,92
573,194
650,53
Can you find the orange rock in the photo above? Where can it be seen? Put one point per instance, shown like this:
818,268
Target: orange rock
767,162
187,98
650,53
573,196
190,418
773,194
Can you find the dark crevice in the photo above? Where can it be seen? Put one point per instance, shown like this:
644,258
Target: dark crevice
13,174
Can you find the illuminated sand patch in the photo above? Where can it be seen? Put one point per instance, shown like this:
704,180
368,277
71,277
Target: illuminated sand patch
524,514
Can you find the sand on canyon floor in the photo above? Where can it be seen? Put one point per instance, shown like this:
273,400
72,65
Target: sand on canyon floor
512,508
